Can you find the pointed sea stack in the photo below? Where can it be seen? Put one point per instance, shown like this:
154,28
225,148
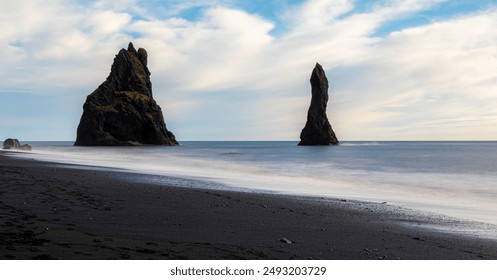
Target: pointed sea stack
317,130
122,111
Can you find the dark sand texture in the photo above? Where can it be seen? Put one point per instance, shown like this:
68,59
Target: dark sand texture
53,211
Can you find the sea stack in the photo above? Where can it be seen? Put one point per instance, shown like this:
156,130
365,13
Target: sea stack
14,144
317,130
122,110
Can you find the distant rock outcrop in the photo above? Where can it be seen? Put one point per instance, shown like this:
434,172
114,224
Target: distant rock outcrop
14,144
122,111
317,130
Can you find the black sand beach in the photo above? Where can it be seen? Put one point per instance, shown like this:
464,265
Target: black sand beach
54,211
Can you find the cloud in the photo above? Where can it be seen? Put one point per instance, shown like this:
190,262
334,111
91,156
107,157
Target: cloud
56,45
226,70
423,77
217,50
319,13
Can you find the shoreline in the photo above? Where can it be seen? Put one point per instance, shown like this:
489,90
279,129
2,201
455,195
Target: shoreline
467,190
57,211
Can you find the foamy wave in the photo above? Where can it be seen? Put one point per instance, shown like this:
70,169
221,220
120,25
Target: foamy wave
376,174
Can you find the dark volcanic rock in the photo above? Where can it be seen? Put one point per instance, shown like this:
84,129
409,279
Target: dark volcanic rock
14,144
122,111
25,147
10,143
317,130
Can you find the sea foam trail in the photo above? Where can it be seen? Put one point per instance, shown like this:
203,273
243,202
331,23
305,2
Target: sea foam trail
418,175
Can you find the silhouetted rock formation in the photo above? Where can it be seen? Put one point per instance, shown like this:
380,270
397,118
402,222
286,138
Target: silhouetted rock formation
122,111
317,130
14,144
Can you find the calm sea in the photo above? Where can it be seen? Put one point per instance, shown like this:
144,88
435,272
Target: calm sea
453,178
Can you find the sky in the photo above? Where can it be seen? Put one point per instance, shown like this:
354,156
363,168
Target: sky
239,70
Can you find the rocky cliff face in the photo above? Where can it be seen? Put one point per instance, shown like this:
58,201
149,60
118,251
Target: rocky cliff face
317,130
122,111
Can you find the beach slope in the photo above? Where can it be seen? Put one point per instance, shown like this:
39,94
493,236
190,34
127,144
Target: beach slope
54,211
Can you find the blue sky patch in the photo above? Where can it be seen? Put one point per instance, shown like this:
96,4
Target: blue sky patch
438,12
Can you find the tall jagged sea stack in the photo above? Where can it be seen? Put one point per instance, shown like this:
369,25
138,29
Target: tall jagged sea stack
122,111
317,130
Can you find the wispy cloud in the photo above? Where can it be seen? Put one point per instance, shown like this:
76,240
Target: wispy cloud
226,70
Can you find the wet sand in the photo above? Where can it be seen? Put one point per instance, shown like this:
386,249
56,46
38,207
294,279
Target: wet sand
55,211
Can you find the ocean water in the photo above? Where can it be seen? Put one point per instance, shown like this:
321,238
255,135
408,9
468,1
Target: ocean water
458,179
